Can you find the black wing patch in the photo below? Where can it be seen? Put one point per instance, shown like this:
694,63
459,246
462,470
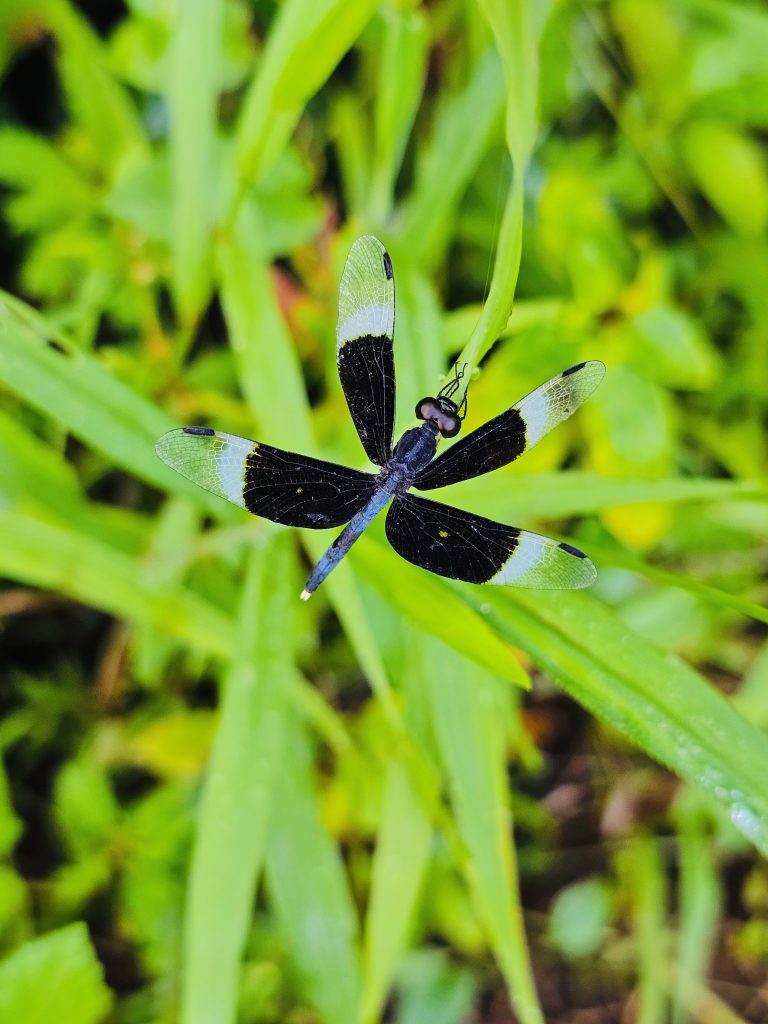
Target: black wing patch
299,491
291,489
463,546
364,345
500,440
491,446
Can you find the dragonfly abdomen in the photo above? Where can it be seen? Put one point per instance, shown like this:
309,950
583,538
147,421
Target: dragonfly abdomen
391,482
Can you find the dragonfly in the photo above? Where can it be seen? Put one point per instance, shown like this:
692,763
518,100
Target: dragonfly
296,490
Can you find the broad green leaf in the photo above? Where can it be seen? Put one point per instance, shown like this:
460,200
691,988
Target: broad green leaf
730,169
174,745
676,350
615,557
581,239
240,791
86,808
56,976
309,890
734,51
434,989
157,832
629,422
28,165
15,906
97,101
32,471
579,918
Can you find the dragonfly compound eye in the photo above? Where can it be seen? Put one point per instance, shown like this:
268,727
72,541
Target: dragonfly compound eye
427,409
449,425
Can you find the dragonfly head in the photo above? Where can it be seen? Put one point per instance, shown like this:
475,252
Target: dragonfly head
441,412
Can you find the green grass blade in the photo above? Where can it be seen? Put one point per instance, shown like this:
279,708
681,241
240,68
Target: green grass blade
462,131
396,879
31,469
343,590
34,474
400,84
267,362
650,910
83,396
418,594
653,698
192,99
240,790
418,359
516,25
614,556
77,391
501,293
46,555
173,534
307,40
517,497
309,890
515,28
700,903
469,732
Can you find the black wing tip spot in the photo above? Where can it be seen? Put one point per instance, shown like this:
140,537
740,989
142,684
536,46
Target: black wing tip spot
571,549
199,431
387,265
573,369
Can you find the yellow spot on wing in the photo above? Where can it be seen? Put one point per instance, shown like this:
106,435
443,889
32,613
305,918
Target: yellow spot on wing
443,533
299,490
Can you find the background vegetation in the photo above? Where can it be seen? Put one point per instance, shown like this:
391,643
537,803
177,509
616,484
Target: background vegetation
408,800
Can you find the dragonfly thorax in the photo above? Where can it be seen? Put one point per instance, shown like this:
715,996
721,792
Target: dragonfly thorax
416,449
441,411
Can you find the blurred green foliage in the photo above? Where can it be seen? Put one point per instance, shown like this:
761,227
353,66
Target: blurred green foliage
353,811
